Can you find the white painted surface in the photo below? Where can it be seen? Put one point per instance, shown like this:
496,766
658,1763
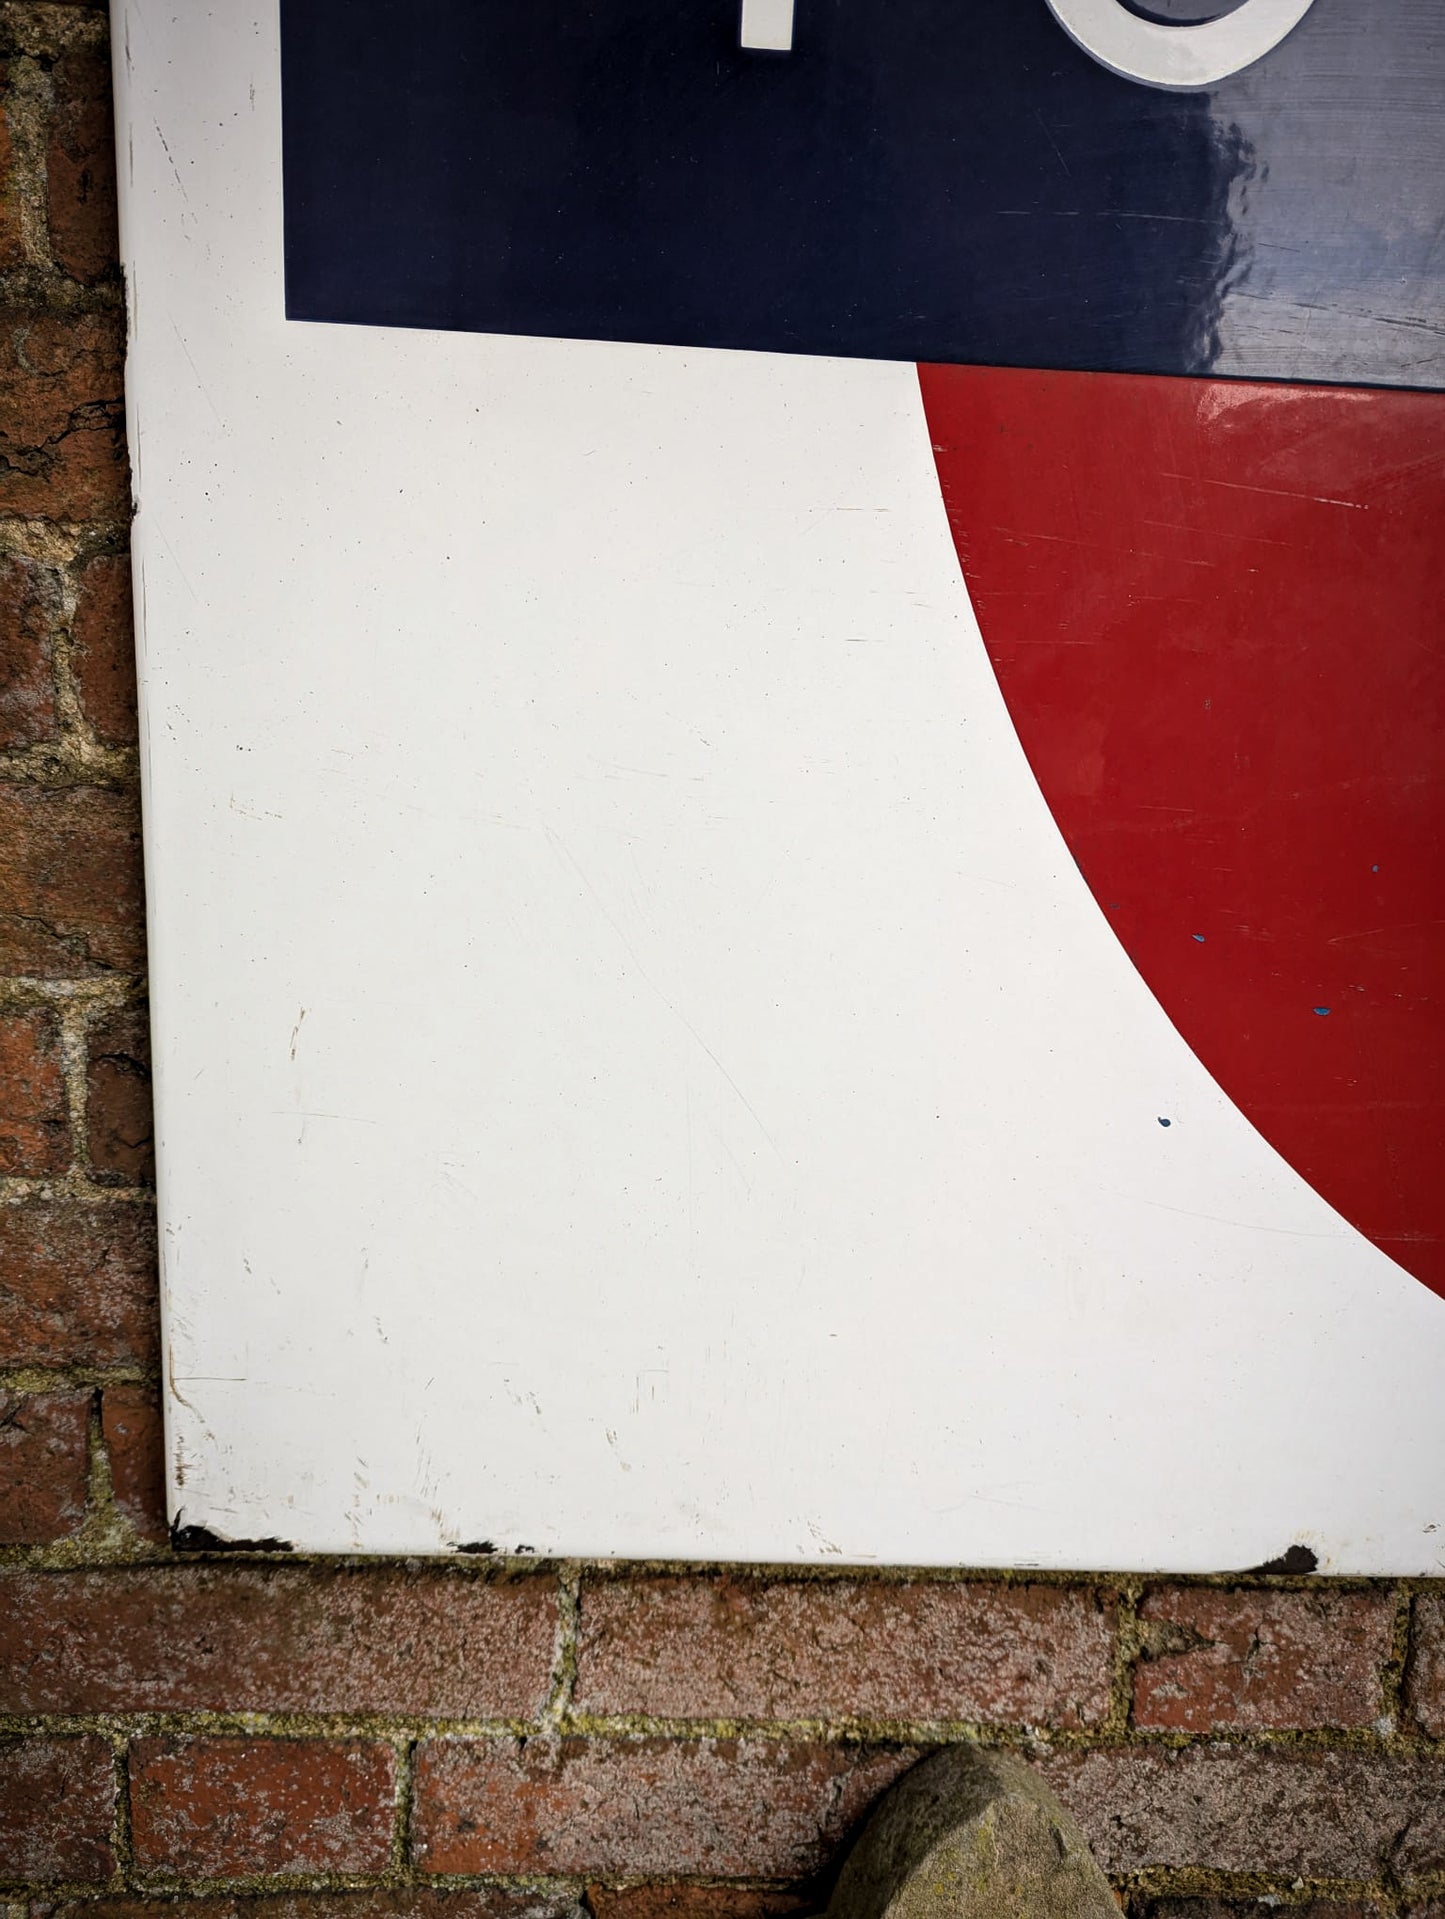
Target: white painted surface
1180,58
638,1071
767,26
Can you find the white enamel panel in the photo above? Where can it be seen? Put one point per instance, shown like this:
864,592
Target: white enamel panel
638,1071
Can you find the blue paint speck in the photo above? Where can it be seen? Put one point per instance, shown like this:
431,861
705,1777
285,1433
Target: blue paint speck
1374,869
1197,936
1166,1122
1322,1012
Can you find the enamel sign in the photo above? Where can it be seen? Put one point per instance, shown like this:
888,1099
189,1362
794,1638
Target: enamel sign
792,690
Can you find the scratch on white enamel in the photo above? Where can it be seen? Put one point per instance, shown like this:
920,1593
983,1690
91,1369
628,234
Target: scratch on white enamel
647,980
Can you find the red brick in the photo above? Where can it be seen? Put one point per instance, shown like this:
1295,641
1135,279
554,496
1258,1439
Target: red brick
80,166
417,1902
1262,1660
42,1466
12,237
77,1284
1205,1908
130,1421
1425,1682
216,1808
698,1902
28,604
747,1648
1320,1815
57,1803
70,882
103,636
62,427
203,1638
34,1118
716,1808
119,1124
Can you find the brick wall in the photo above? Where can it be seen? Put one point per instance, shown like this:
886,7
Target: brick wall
271,1736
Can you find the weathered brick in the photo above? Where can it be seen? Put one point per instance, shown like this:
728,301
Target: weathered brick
12,236
34,1118
119,1126
70,882
749,1648
1205,1908
62,424
28,604
80,166
130,1421
716,1808
46,29
1262,1660
221,1807
77,1284
204,1638
1345,1815
1425,1681
103,637
417,1902
42,1466
57,1804
698,1902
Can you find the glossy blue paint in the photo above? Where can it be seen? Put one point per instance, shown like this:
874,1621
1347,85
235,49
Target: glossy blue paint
918,179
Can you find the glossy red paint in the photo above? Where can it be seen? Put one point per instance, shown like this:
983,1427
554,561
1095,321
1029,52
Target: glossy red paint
1215,612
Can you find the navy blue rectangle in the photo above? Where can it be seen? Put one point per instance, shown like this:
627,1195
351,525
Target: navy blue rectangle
945,180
